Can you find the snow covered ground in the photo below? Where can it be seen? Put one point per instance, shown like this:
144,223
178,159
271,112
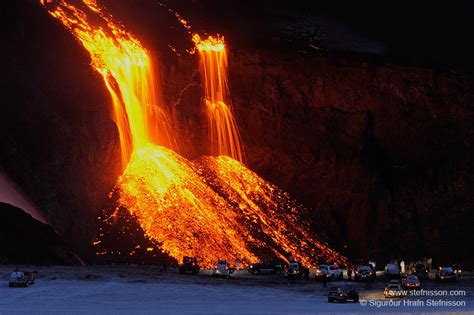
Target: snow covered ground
133,289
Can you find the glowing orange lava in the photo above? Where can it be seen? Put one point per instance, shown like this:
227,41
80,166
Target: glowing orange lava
127,72
211,208
224,134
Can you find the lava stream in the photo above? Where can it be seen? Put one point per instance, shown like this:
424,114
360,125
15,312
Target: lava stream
224,134
211,208
127,72
215,208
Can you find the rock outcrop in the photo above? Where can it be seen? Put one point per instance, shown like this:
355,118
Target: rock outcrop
58,143
381,153
24,240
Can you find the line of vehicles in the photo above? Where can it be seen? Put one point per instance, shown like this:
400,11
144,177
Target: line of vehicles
326,272
396,288
400,283
296,271
443,274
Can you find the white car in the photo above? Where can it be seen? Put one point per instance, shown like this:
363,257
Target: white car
222,269
328,272
394,290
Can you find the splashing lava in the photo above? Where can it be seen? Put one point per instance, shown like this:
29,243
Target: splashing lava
211,208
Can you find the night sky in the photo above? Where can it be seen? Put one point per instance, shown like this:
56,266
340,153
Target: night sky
417,31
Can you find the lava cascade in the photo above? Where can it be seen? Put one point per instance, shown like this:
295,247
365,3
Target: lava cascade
211,208
224,134
127,72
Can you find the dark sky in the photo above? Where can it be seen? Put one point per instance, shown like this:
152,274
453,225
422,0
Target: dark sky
426,30
414,31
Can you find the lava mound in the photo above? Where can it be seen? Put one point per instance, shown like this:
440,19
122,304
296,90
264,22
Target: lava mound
212,208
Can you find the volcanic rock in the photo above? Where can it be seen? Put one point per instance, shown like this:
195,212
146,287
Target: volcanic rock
382,153
24,240
58,143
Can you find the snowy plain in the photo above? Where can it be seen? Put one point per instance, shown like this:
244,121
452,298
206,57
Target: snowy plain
147,290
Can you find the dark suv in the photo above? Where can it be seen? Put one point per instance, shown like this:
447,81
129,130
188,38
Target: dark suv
296,270
271,266
343,294
420,271
189,265
446,273
21,278
365,272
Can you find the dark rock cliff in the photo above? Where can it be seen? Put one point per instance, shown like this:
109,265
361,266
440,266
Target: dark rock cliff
383,154
56,138
24,240
380,153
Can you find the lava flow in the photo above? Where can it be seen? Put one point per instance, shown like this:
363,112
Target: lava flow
224,134
211,208
127,72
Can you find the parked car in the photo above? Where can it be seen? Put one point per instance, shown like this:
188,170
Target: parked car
21,279
222,269
296,270
270,266
411,282
392,271
189,265
393,290
328,272
365,272
340,294
446,273
420,271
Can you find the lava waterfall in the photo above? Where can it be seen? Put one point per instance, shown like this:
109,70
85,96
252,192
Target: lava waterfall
224,134
211,208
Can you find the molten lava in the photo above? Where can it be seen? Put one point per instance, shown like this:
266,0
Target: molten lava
127,72
212,208
176,208
224,134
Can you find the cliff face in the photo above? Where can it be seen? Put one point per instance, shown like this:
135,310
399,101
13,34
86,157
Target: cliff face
381,153
56,138
24,240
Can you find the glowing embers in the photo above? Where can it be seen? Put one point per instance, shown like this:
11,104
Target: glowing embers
273,220
224,134
214,208
176,208
127,72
